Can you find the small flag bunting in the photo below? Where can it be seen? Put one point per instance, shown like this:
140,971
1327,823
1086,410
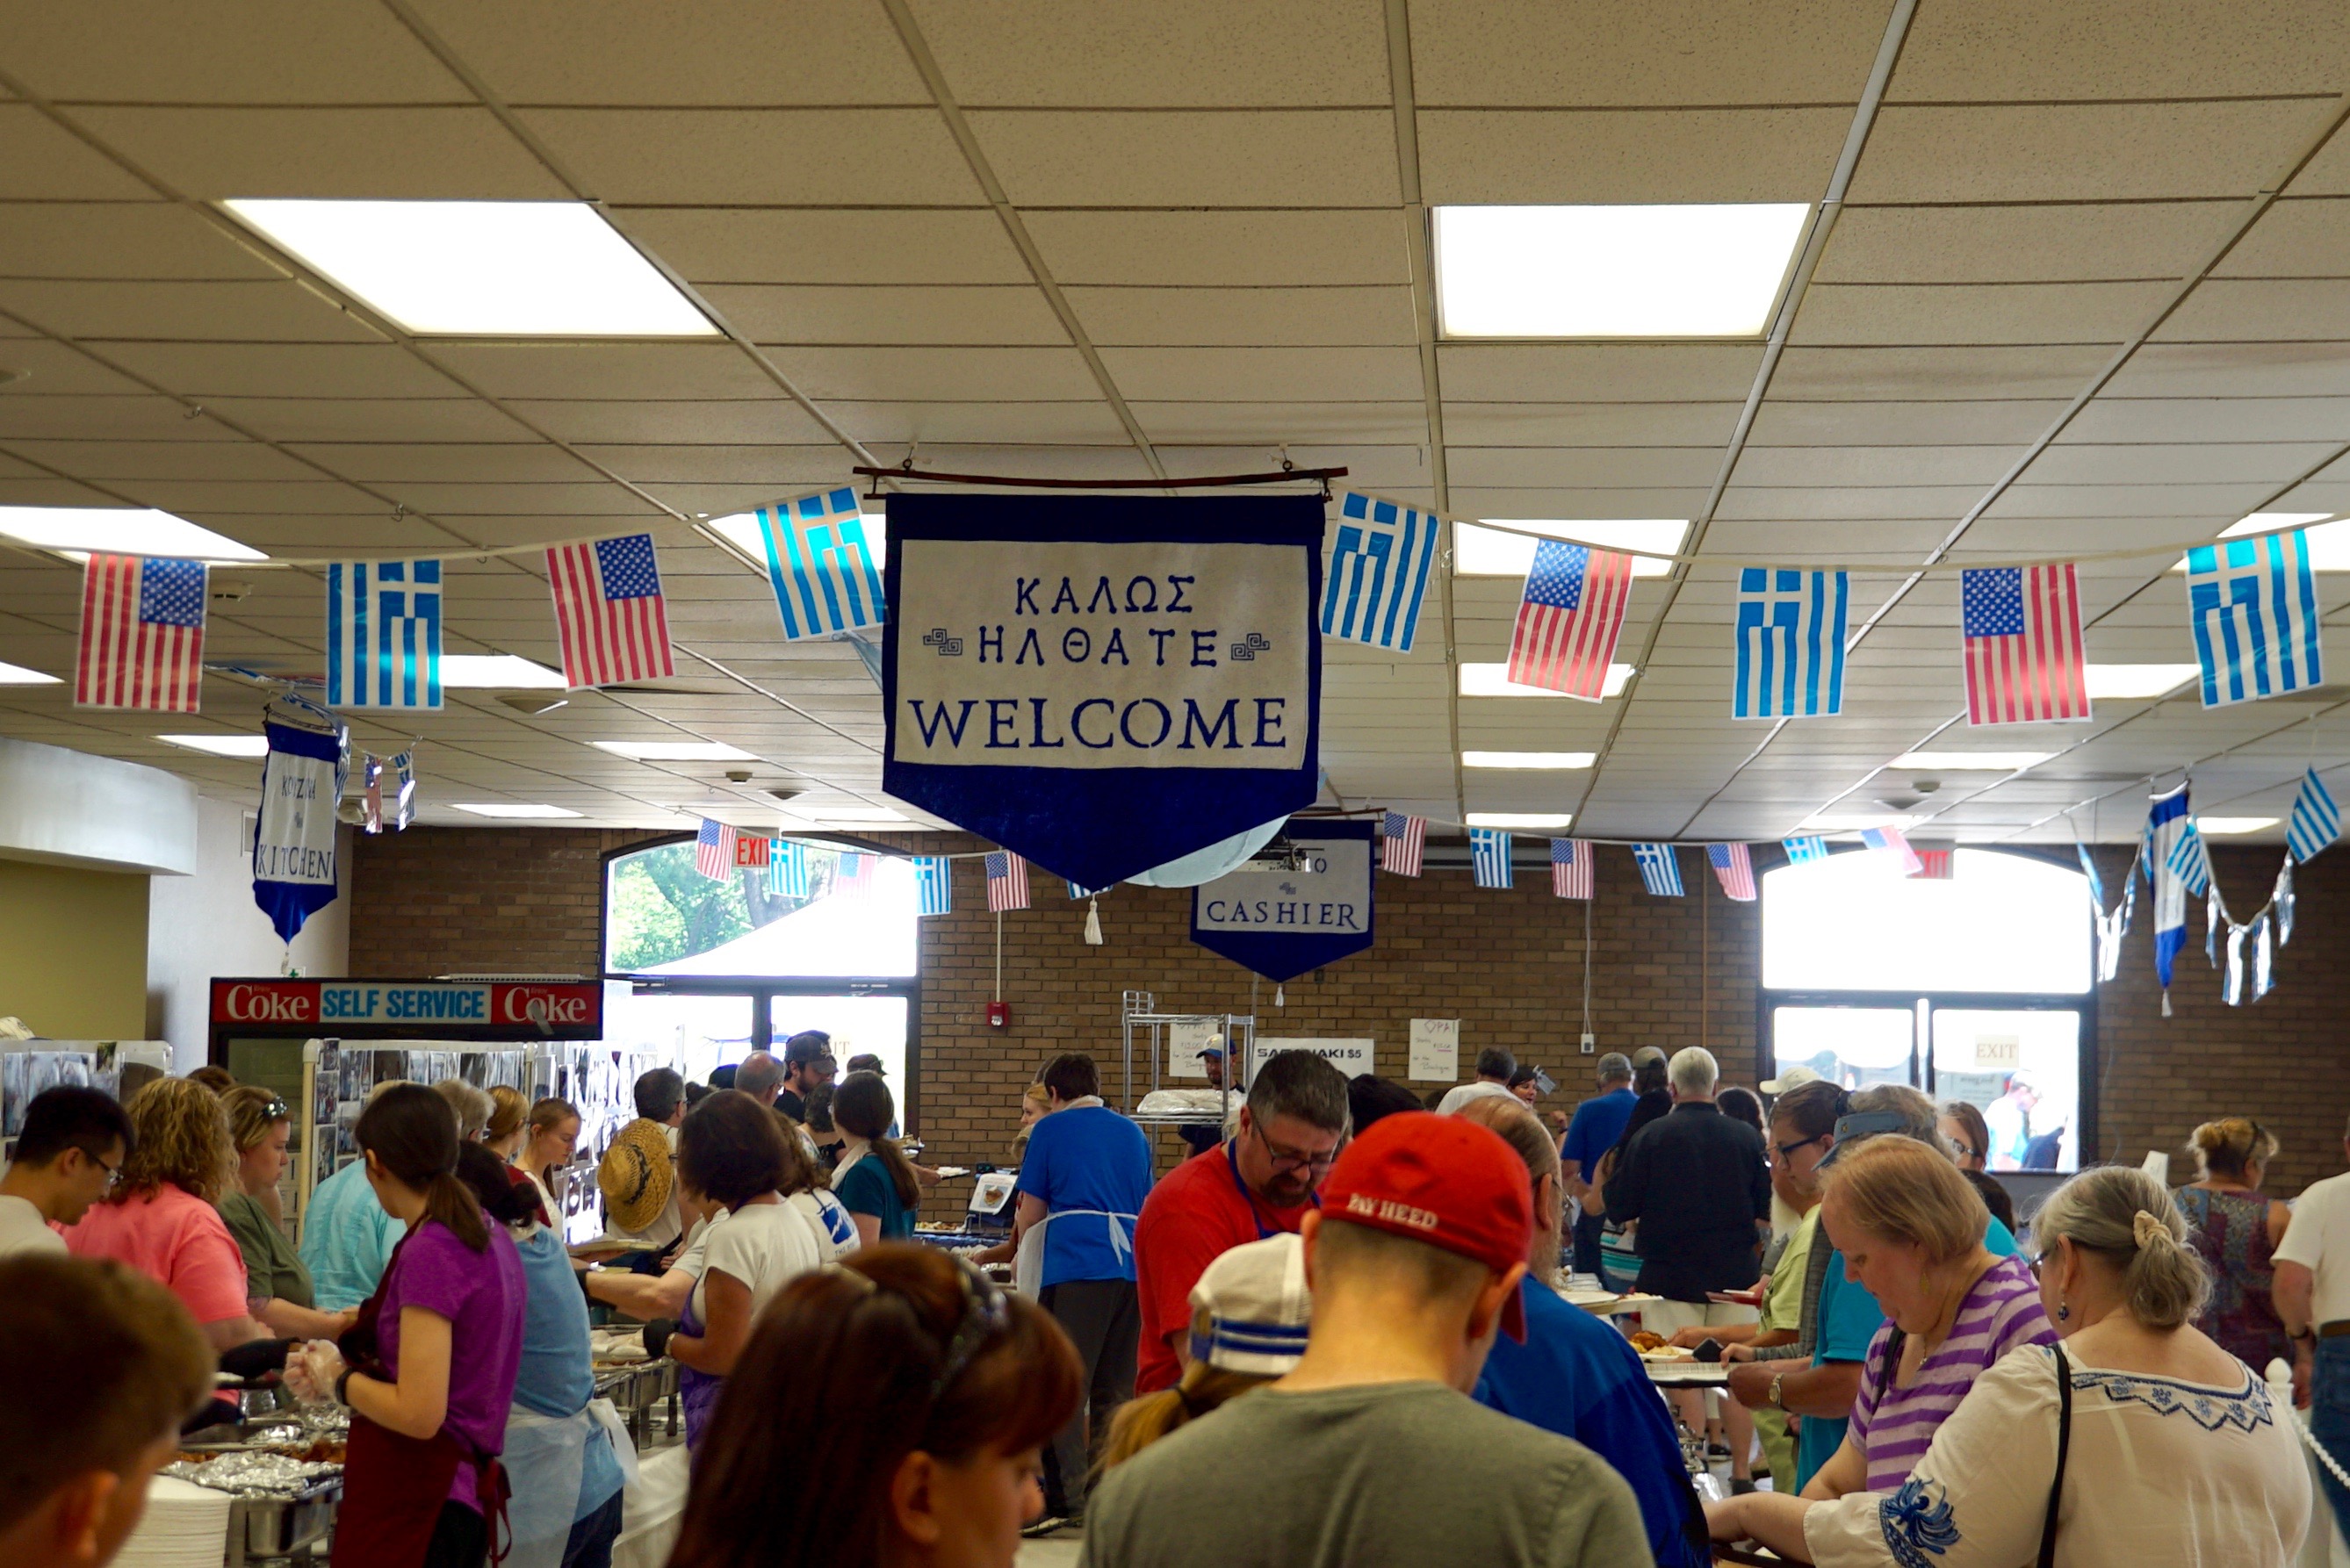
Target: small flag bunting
1804,847
1402,841
1896,844
1572,871
142,634
2025,661
934,884
2317,820
609,615
383,634
1382,554
787,868
1733,868
2191,862
820,564
1569,619
713,850
1007,882
2252,606
1791,637
1076,892
1660,872
1489,857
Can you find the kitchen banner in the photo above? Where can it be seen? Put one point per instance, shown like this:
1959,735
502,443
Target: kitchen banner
1101,683
1281,923
294,843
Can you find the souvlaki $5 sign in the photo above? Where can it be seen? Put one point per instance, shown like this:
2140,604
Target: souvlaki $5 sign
1103,684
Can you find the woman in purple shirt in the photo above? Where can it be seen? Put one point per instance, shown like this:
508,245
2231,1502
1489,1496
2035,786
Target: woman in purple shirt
429,1370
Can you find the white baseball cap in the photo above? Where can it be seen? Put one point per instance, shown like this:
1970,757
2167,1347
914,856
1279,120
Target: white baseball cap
1789,1079
1257,1306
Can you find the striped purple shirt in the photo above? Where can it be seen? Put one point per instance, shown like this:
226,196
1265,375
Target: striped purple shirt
1894,1427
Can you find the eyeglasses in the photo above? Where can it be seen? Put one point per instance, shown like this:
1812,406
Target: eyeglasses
1787,1150
1295,1159
113,1172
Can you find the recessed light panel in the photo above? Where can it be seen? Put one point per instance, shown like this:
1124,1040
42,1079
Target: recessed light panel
1493,680
518,812
1667,271
119,530
1489,553
1548,760
673,751
2121,680
221,745
2216,827
1972,762
18,675
483,269
1526,819
497,672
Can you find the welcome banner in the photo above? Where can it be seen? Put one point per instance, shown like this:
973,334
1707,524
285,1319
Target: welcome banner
1280,922
1101,683
294,839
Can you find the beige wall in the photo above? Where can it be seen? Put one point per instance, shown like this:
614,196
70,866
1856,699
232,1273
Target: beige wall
73,950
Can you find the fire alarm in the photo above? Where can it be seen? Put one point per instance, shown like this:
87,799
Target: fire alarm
999,1015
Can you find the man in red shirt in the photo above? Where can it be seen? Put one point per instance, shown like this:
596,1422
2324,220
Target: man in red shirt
1258,1184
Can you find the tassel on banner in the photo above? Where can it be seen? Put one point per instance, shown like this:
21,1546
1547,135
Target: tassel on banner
1093,923
2165,1002
1278,999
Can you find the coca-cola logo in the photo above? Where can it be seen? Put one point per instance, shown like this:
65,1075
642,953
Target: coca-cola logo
548,1007
270,1004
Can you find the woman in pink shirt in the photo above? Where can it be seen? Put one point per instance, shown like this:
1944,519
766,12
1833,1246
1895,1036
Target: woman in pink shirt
160,1220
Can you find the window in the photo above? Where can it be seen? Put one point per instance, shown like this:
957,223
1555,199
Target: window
1976,988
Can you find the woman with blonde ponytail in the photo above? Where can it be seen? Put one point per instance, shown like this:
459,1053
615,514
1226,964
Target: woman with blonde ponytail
2236,1227
2135,1440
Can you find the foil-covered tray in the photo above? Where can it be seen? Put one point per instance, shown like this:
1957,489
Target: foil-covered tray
246,1472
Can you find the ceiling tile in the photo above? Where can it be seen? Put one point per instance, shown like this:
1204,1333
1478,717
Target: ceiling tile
1686,155
1977,313
227,52
780,244
444,152
1229,249
763,158
41,162
2012,50
1227,375
119,240
1529,372
931,314
2078,153
1245,317
221,312
1152,158
281,369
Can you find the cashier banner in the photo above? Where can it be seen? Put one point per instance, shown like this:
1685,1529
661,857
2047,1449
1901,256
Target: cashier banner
1283,920
1103,684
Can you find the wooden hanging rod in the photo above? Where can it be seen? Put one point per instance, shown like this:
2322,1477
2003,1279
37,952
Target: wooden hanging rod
1277,476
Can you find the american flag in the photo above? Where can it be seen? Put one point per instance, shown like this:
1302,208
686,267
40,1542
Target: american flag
1896,844
713,850
852,875
142,634
608,613
1007,882
2024,658
1935,864
1733,868
1571,868
1569,619
1660,872
1403,838
1804,846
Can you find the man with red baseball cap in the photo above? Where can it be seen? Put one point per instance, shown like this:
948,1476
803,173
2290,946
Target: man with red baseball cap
1371,1449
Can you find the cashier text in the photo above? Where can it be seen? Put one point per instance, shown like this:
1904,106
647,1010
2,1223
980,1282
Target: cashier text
1149,655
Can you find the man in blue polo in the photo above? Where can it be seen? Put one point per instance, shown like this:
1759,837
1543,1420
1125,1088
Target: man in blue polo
1082,1184
1599,1123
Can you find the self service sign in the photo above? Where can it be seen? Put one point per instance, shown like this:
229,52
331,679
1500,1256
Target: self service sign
1103,683
1283,920
459,1009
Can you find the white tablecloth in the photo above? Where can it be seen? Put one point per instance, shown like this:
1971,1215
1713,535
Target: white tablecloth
651,1509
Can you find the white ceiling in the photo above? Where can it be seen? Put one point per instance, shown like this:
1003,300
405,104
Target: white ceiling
2054,312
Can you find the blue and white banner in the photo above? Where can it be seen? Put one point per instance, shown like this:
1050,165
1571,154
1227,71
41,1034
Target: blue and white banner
1103,684
820,564
934,884
2317,820
2252,605
1804,847
2167,825
1660,873
1489,857
1283,923
383,634
1381,554
1791,635
294,839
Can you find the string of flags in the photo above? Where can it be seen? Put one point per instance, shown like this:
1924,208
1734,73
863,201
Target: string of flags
1572,861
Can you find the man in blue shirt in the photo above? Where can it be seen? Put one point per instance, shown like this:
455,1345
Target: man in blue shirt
1597,1123
1082,1184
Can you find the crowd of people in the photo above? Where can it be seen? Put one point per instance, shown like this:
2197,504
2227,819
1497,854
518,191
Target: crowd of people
1334,1335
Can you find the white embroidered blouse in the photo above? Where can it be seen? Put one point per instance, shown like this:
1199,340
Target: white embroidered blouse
2159,1471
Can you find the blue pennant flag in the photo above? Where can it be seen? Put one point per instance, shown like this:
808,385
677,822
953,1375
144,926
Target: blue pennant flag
1380,557
2089,869
2191,862
1078,891
383,634
294,840
1489,857
787,868
934,882
1659,872
2317,820
2166,826
1791,635
820,564
1804,846
2252,605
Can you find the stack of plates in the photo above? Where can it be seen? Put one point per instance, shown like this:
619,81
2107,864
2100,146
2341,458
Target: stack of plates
185,1526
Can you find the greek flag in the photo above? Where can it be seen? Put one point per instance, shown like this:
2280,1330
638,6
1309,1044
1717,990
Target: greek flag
1489,854
787,868
820,564
2317,820
2166,826
2253,604
1076,892
1791,632
2191,862
1659,872
1377,572
934,882
1803,848
383,634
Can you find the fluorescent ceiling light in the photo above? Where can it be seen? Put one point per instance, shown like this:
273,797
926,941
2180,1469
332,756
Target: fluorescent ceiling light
497,809
18,675
1518,819
1853,822
2329,547
498,671
1493,680
1554,761
1972,762
119,530
2212,826
221,745
742,531
673,751
1489,553
483,269
1667,271
2139,679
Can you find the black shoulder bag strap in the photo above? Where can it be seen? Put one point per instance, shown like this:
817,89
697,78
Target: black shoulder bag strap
2063,1441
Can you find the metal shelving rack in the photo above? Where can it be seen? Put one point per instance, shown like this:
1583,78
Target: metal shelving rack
1139,1017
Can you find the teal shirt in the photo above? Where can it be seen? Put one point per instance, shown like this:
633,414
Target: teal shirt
866,1189
1848,1319
347,1239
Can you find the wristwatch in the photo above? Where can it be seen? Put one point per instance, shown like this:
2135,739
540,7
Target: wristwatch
343,1388
1778,1390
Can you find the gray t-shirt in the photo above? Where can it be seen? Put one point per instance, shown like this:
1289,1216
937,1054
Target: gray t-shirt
1390,1475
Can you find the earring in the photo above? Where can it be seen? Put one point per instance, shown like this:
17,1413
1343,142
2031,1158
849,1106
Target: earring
2063,1311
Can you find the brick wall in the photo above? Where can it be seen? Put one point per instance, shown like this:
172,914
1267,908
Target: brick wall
1509,965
